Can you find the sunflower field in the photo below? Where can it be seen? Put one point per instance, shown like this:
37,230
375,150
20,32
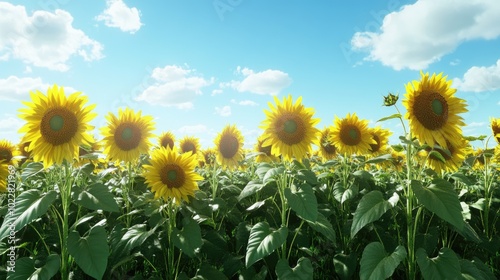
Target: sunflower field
306,203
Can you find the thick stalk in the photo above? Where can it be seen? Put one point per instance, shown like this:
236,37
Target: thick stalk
411,227
65,193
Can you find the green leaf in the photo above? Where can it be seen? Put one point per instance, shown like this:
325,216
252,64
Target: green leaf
303,201
376,263
31,269
308,176
29,205
345,265
90,251
135,236
394,116
323,226
485,270
263,241
302,271
370,208
189,238
207,271
380,159
444,266
272,173
441,199
471,272
251,188
95,197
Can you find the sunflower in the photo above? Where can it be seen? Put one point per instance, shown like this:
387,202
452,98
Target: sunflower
171,175
167,139
289,128
127,136
453,155
351,135
264,152
4,174
432,110
481,157
8,151
190,144
56,125
495,128
209,156
327,149
23,148
229,145
381,138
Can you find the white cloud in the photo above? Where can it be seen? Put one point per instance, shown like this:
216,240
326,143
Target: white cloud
193,129
422,33
28,70
266,82
9,127
14,88
118,14
43,39
216,91
224,111
245,102
476,124
174,86
478,79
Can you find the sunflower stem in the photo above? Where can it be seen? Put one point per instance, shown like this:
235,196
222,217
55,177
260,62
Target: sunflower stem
411,227
126,193
65,193
171,212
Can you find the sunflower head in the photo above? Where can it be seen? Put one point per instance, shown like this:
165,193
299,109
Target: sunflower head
56,125
265,154
127,135
327,149
390,99
433,110
351,135
4,173
289,128
166,139
8,151
190,144
229,145
209,156
495,128
453,156
171,175
381,138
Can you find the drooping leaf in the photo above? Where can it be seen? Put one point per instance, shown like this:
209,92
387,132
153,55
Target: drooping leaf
29,205
323,226
441,199
90,251
36,269
251,188
302,271
189,238
206,271
272,174
263,241
303,201
370,208
376,263
345,265
445,266
95,197
393,116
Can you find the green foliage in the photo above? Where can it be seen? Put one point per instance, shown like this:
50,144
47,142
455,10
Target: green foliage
90,251
376,263
263,241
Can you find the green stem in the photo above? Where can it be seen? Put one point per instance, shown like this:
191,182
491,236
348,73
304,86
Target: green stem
294,236
171,216
65,193
411,227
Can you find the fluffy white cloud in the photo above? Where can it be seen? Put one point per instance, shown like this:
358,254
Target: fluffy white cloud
43,39
174,86
118,14
421,33
245,102
193,129
9,125
266,82
216,91
14,88
478,79
224,111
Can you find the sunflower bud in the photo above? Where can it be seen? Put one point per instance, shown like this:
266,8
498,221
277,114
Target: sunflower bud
390,99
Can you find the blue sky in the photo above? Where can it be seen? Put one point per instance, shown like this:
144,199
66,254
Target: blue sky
197,66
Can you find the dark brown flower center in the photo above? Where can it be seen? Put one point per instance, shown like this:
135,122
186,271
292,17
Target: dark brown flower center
58,126
375,147
350,135
172,176
128,136
228,145
290,128
188,146
431,110
167,142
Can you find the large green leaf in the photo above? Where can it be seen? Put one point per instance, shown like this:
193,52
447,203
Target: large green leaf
323,226
445,266
189,238
207,271
263,241
123,245
272,174
441,199
302,271
95,197
376,263
40,269
303,201
345,265
370,208
90,251
251,188
30,205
